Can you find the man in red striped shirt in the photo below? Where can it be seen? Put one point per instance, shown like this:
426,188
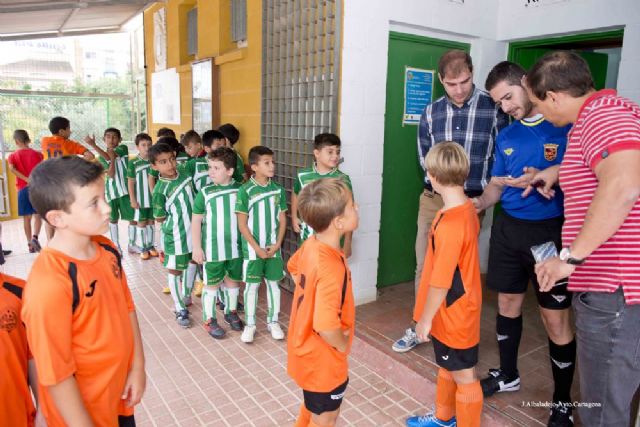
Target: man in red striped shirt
600,178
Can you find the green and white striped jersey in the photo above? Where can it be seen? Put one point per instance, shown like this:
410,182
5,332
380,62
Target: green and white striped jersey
306,176
116,187
220,235
173,200
139,170
182,157
198,169
263,204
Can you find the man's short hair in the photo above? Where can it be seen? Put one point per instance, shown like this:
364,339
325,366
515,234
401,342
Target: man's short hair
171,142
58,123
113,130
211,135
165,132
226,155
21,135
258,151
560,71
326,140
52,182
505,71
142,137
189,137
453,63
321,201
448,163
157,149
230,132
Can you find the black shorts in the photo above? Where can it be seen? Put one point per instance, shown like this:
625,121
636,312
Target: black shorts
511,263
126,421
317,403
453,359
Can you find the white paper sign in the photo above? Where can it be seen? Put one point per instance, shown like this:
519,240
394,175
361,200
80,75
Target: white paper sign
165,97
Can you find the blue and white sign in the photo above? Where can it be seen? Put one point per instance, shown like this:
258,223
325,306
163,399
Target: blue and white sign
418,93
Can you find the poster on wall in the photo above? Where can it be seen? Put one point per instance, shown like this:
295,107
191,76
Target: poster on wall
160,40
165,97
418,92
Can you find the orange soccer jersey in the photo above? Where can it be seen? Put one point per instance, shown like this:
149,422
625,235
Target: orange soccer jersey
452,262
77,318
322,301
56,146
16,406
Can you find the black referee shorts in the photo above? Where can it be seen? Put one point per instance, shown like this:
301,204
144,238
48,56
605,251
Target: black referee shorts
317,402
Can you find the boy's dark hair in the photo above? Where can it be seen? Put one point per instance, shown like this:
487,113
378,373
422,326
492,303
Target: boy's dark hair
142,136
560,71
58,123
191,136
453,63
326,140
21,135
171,142
113,130
211,135
323,200
230,132
505,71
258,151
226,155
165,132
157,149
51,183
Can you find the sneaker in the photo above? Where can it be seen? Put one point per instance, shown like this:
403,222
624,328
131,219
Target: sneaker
32,250
133,249
182,318
560,416
197,288
276,330
212,327
166,290
233,320
145,256
408,342
153,252
248,333
187,301
36,244
498,382
430,420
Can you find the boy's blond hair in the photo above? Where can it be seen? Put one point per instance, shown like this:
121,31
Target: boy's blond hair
323,200
448,163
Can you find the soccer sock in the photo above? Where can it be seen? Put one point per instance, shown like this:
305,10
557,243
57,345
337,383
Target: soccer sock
509,331
469,404
250,303
132,235
273,301
113,231
231,299
209,303
304,416
445,395
141,238
150,235
563,364
174,286
189,276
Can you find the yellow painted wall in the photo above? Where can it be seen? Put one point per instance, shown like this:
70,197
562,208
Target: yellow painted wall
239,69
13,193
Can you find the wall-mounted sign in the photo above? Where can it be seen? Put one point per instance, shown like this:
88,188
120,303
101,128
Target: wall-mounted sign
418,92
165,97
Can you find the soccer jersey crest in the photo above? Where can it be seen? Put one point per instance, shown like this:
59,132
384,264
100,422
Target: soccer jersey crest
508,151
550,152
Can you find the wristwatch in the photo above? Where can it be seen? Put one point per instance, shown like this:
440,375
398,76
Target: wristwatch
565,255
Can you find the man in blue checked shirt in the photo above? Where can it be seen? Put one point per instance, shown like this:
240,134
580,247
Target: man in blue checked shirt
468,116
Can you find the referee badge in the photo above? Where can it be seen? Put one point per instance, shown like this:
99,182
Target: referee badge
550,152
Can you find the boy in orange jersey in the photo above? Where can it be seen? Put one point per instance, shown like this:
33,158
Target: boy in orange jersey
322,314
450,297
81,323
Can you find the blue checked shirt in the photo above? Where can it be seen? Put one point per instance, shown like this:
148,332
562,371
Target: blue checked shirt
475,126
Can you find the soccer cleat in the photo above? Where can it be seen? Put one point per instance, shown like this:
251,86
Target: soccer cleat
166,290
197,288
145,256
560,416
408,342
498,382
429,420
153,252
276,330
248,334
212,327
234,321
182,318
36,244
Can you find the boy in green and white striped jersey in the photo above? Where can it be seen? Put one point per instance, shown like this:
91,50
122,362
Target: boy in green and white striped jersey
326,150
262,220
197,166
140,197
172,202
232,135
216,241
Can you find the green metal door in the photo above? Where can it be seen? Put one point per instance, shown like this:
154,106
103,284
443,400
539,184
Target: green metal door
402,174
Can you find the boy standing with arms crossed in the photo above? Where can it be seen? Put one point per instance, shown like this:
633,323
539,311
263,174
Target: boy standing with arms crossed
262,220
215,228
81,323
323,313
449,298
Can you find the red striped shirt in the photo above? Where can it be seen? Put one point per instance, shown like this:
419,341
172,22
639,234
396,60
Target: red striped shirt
606,124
